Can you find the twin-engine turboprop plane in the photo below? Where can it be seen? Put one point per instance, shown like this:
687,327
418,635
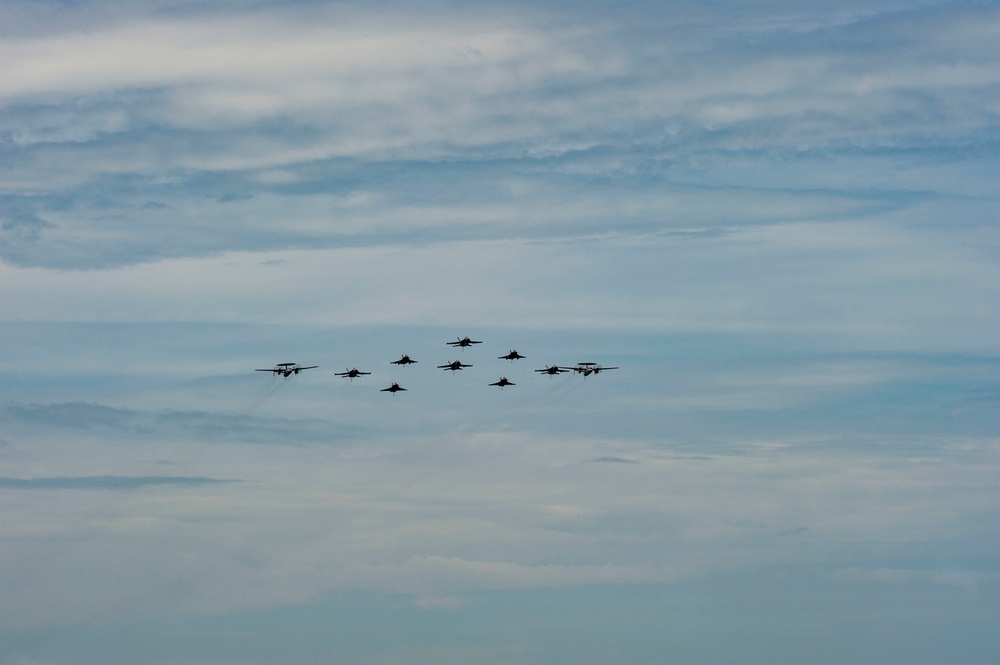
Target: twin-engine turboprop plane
588,368
286,369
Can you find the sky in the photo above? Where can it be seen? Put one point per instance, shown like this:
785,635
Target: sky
777,219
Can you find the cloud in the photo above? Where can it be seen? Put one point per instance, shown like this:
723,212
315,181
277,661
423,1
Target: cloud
21,228
613,460
446,514
962,579
220,70
442,603
206,427
332,82
20,224
778,219
320,126
105,482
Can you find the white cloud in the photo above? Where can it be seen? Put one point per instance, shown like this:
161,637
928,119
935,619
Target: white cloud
962,579
423,85
867,287
371,84
443,516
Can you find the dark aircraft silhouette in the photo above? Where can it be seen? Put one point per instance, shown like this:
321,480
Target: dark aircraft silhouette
513,355
555,369
394,388
352,374
464,342
503,382
405,360
589,368
286,369
455,365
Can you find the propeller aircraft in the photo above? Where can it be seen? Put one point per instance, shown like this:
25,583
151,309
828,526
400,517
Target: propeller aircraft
589,368
286,369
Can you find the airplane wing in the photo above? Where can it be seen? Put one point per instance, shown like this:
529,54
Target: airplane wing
309,367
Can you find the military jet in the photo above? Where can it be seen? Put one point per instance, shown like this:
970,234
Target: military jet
405,360
286,369
352,374
589,368
503,382
454,365
394,388
513,355
555,369
463,342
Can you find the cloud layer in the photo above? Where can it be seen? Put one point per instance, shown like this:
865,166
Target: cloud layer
777,219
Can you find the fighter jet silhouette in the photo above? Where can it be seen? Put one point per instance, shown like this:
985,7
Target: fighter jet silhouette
463,342
352,373
454,365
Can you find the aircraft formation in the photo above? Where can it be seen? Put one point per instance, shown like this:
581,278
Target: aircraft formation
286,369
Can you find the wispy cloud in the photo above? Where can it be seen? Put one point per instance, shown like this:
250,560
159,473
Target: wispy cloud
105,482
294,107
778,218
118,423
963,579
613,460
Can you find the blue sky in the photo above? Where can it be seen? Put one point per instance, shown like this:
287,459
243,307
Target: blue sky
778,220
